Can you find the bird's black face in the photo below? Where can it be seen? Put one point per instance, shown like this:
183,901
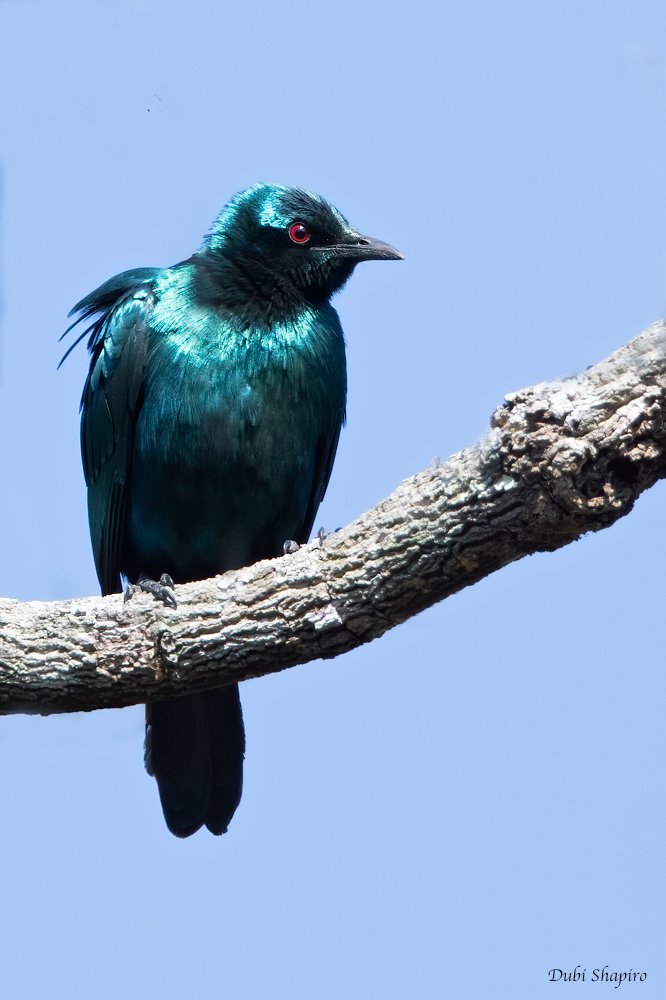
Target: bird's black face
293,244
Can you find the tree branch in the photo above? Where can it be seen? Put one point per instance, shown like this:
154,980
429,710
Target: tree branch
560,459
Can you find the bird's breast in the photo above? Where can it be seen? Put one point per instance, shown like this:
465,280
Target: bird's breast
227,441
216,393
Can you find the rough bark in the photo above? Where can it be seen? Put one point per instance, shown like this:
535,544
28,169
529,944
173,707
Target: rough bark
561,458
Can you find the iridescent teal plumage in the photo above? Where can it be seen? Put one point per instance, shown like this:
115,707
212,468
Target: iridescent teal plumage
211,417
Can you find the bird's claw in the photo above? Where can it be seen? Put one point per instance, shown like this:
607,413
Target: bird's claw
161,591
290,546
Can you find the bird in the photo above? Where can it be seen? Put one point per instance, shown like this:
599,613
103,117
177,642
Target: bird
210,420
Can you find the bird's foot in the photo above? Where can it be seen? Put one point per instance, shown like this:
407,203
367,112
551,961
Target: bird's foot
290,547
322,535
162,591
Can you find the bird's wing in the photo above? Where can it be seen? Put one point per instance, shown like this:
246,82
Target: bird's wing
324,458
111,401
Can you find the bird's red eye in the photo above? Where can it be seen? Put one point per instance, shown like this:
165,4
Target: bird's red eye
299,233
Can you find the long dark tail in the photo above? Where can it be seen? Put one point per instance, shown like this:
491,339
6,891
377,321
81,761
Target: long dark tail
195,748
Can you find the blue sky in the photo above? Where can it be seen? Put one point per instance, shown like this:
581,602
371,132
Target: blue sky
477,797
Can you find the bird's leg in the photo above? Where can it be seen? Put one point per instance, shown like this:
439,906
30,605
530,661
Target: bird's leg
290,546
322,534
161,591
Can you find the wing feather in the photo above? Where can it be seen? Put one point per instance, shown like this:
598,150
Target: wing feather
110,405
323,466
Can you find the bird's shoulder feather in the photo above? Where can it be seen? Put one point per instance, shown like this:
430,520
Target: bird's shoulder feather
110,404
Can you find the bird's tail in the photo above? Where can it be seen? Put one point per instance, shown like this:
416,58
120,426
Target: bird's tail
195,748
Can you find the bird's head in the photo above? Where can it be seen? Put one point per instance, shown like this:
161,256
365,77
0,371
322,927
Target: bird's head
287,246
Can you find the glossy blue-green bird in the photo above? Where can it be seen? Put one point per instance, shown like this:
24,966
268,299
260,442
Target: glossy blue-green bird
210,420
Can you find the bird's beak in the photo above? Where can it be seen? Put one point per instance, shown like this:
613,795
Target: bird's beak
357,247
